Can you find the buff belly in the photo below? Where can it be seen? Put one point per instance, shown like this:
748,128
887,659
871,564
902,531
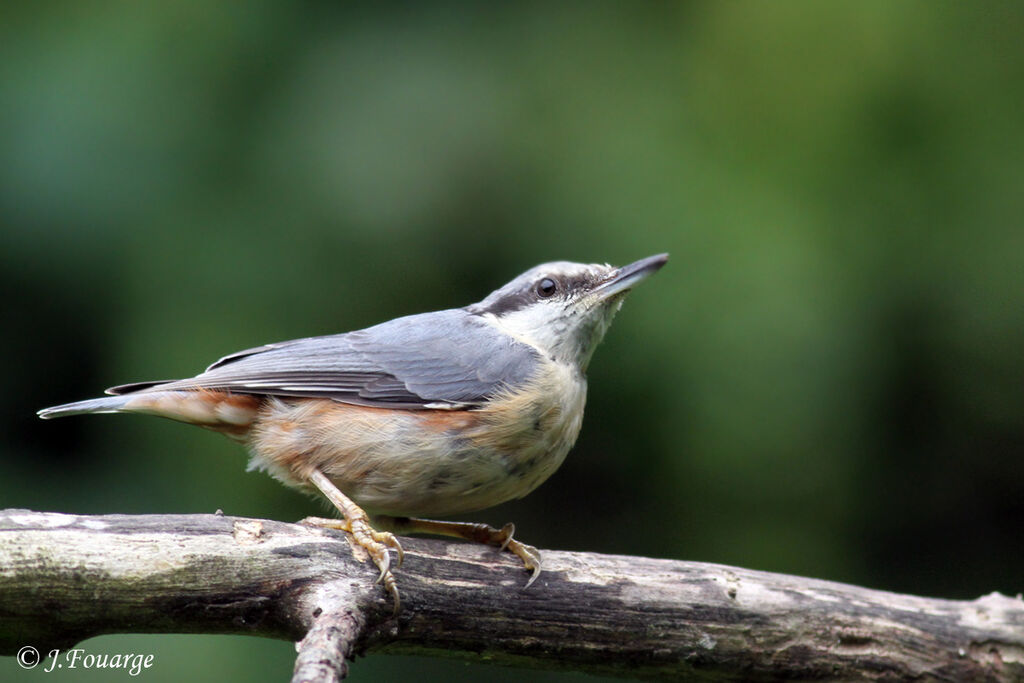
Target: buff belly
421,462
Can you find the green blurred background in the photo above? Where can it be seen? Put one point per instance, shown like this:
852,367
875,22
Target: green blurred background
827,379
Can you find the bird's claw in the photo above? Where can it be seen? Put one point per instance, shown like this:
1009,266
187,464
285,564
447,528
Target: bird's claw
375,543
527,553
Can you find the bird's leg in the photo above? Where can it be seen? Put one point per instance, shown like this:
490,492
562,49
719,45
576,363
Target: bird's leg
357,523
480,533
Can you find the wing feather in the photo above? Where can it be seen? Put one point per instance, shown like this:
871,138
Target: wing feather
432,360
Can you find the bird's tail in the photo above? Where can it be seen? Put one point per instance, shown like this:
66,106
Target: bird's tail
217,410
107,404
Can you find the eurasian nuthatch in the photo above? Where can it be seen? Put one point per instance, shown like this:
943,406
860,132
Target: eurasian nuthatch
430,414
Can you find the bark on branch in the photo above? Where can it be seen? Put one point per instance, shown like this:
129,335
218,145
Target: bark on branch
64,578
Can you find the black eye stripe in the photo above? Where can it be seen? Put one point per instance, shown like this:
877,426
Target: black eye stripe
528,293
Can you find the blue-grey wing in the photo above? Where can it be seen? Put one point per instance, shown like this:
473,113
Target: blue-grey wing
442,359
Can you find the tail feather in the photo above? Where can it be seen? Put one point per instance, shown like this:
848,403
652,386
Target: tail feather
109,404
214,409
121,389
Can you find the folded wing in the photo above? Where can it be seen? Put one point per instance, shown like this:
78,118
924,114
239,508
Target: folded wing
445,359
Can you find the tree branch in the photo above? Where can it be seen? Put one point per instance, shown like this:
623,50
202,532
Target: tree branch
64,578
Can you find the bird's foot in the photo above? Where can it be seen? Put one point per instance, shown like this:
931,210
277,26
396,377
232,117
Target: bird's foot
527,553
375,543
480,533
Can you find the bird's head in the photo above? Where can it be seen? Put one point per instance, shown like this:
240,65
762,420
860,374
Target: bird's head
563,308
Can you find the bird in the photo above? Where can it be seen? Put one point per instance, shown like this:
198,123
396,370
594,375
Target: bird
422,416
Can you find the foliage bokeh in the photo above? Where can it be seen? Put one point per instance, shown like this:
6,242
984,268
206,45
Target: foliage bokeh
826,379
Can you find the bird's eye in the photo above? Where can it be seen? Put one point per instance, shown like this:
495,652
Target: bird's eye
546,288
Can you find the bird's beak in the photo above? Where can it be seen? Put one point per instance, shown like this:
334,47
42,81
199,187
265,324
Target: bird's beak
627,277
